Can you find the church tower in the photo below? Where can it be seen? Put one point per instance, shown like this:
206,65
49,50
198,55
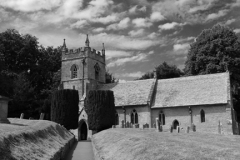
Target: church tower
83,68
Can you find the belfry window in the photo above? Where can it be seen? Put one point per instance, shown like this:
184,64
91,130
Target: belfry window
74,71
162,118
97,70
134,117
202,114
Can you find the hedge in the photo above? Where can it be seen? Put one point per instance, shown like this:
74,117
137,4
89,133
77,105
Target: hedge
64,108
100,108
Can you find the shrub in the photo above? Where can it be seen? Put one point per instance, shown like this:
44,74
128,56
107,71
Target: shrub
100,108
64,108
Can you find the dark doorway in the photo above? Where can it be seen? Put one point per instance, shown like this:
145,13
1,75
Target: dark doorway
175,124
83,131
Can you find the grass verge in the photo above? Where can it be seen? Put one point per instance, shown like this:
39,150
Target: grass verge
31,139
135,144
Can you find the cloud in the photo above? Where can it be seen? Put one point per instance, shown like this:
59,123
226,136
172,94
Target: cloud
169,26
137,58
217,15
156,17
136,9
133,74
230,21
141,22
184,40
121,42
136,33
100,29
30,5
123,24
117,53
79,24
181,48
237,30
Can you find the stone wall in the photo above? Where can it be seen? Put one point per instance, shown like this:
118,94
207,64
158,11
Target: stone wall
213,114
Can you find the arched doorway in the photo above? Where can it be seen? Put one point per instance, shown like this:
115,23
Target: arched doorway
82,130
175,124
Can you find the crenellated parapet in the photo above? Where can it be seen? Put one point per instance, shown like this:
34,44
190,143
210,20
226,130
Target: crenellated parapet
82,52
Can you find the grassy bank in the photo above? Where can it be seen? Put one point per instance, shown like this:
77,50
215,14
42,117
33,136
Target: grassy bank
135,144
31,139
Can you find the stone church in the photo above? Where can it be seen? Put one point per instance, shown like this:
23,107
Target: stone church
202,100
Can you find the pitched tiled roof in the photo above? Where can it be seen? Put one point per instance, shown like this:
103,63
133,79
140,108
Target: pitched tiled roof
193,90
130,93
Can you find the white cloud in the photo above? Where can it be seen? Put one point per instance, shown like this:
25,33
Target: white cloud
123,24
136,9
169,26
30,5
153,35
121,42
214,16
141,22
136,33
237,30
156,16
230,21
100,29
117,53
137,58
181,48
184,40
133,74
79,24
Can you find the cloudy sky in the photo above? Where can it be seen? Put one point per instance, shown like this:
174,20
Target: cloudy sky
138,34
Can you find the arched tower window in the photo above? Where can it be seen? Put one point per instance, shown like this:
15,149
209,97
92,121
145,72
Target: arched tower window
74,69
202,114
97,70
134,117
162,118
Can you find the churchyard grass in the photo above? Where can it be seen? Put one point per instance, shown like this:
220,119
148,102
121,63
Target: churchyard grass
134,144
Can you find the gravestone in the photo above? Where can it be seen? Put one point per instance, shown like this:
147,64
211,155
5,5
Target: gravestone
42,116
171,129
160,128
4,109
178,129
123,124
187,129
157,125
219,127
22,116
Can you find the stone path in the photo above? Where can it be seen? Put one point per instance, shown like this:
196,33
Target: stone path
81,150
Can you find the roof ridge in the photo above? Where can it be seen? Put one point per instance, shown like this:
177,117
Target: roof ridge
195,76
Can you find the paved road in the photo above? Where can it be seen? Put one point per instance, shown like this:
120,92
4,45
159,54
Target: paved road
81,150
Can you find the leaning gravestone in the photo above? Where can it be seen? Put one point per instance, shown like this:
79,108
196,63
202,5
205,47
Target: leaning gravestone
22,116
178,129
41,116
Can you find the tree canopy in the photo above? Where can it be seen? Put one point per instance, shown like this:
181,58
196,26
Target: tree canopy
217,50
26,71
164,71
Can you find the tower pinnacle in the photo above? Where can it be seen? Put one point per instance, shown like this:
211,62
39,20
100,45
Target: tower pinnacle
64,47
87,42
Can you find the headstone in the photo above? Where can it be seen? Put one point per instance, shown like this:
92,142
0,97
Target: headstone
41,116
22,116
113,126
122,123
146,125
171,129
187,129
194,128
178,129
219,127
157,125
31,118
160,128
